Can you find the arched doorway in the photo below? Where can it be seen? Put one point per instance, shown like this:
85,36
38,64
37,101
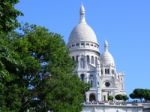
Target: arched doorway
92,97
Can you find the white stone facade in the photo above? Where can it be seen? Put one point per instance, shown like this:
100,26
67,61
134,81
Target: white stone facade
97,69
112,108
93,67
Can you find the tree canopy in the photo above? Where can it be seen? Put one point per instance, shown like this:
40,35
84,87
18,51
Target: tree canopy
141,94
110,98
36,71
8,15
121,97
39,73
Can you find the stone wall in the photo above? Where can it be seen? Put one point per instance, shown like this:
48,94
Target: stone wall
106,107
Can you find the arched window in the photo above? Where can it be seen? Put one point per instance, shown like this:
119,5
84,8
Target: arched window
88,59
82,63
92,97
91,78
92,59
107,71
82,77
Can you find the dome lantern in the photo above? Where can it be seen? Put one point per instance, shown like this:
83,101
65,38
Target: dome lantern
106,46
82,14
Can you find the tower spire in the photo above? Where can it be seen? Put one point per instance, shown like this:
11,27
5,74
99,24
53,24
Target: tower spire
106,45
82,14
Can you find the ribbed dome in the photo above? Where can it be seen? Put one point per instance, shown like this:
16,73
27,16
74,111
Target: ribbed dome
107,58
82,32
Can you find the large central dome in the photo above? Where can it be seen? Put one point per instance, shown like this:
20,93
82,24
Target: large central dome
82,32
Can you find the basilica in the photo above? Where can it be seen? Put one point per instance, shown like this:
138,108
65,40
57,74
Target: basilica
97,69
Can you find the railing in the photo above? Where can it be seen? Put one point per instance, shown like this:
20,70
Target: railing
113,103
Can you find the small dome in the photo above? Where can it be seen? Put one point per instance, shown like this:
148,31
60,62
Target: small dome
82,32
107,58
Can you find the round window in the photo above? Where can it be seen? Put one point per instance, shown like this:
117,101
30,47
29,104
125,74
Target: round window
107,84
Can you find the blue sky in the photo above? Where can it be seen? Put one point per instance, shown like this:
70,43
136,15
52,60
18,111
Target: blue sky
125,24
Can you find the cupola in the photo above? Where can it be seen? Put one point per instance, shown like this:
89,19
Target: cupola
107,59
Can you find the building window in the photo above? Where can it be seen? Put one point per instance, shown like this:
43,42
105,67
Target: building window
77,44
73,45
91,44
107,84
88,59
91,80
82,44
82,77
82,63
107,71
91,83
92,59
87,44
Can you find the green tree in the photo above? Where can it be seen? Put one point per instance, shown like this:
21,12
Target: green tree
121,97
8,15
118,97
132,96
141,94
62,91
110,98
51,86
138,94
125,97
10,66
147,94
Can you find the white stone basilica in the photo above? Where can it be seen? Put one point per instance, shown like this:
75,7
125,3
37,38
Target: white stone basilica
97,69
